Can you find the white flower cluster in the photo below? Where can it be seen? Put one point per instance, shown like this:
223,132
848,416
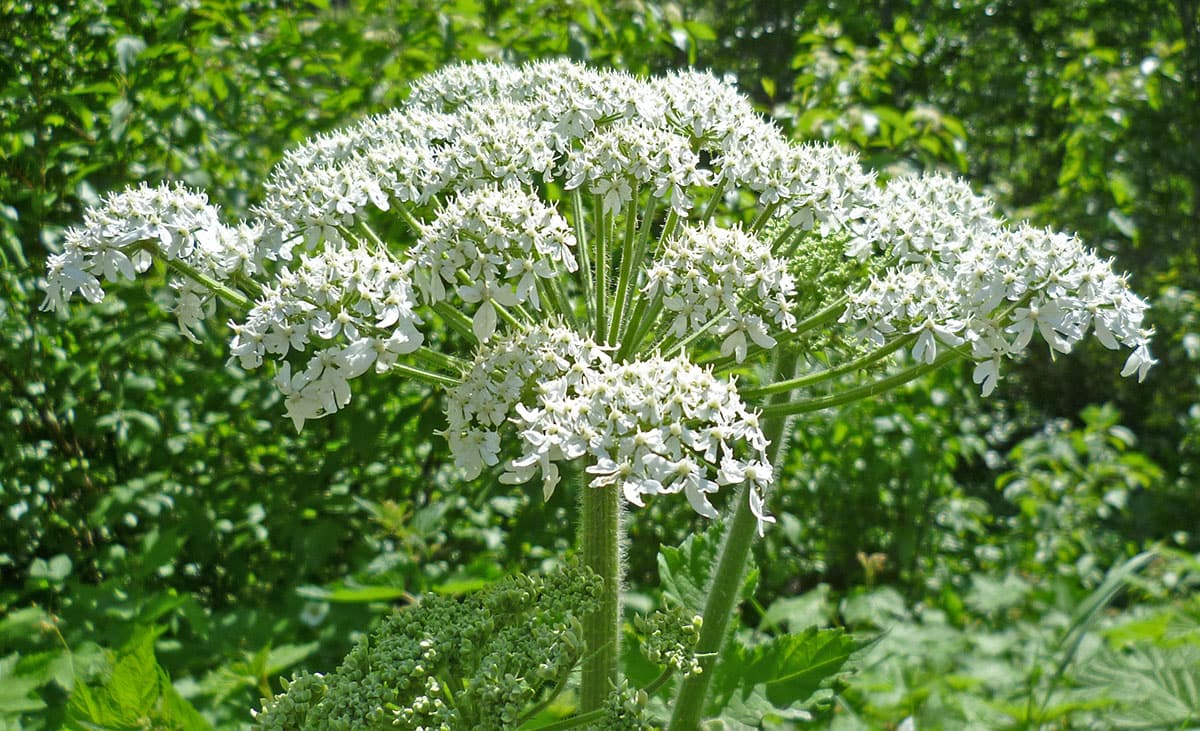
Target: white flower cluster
491,246
477,125
501,376
962,279
649,427
553,193
813,186
496,142
336,296
221,253
566,98
463,128
119,238
108,243
629,152
328,183
727,278
702,106
809,184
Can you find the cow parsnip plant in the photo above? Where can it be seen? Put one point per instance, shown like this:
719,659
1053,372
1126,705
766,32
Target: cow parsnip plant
652,280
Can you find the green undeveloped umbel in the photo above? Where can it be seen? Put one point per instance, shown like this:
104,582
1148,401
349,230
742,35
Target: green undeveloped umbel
481,662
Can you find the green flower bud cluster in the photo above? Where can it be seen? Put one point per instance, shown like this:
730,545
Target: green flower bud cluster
820,261
624,710
481,662
669,638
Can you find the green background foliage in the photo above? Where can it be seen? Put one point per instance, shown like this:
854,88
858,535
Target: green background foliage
171,547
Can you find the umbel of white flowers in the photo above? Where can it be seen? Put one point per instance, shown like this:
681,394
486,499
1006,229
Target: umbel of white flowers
591,264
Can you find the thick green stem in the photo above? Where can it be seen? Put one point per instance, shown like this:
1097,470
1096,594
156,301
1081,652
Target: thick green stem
600,526
726,583
455,319
764,216
640,322
578,220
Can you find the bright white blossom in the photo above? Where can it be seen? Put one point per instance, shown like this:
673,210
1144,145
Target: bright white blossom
725,278
354,306
491,246
961,279
592,237
649,427
108,244
628,154
503,374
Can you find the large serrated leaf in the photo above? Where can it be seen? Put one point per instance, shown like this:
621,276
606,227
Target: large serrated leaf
134,685
1153,687
785,671
797,666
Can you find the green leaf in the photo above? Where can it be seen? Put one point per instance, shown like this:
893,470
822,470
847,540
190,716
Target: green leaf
685,571
796,613
136,694
17,692
24,624
176,708
794,667
134,684
55,570
701,31
160,548
787,671
880,608
283,657
1154,687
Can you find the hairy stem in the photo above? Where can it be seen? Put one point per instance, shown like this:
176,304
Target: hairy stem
627,271
600,229
578,220
727,581
600,526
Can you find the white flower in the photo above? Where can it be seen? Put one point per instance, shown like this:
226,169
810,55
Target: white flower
500,240
651,427
334,295
725,276
960,276
167,219
614,158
